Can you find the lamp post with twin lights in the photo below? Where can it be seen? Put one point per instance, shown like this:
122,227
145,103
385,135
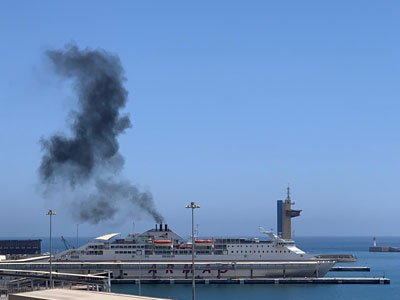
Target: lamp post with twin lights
51,213
193,206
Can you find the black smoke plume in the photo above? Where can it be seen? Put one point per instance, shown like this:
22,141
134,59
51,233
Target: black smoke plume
91,153
102,205
97,122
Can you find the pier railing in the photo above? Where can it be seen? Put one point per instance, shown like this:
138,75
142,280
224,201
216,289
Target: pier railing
26,280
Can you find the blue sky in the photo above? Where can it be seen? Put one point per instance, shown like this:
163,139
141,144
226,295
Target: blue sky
230,101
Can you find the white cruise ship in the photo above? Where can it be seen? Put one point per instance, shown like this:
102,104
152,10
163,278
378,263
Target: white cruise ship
161,253
163,249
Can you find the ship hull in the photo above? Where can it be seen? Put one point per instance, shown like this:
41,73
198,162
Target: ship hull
203,270
212,270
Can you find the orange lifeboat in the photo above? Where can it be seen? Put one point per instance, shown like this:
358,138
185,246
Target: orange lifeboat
204,242
163,243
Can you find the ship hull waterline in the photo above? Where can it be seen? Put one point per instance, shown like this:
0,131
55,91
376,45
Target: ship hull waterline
183,269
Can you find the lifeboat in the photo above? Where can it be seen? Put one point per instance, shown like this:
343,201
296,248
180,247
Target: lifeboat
204,242
184,246
162,243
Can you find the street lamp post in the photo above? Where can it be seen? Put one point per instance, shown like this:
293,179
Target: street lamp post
51,213
193,206
77,236
140,274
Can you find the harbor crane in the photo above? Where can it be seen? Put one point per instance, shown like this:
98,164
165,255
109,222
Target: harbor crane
66,244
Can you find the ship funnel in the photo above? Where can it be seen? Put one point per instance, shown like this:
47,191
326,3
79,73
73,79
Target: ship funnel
166,227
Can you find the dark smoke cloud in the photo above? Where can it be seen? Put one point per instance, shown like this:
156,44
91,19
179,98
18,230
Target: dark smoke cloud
92,151
97,123
102,204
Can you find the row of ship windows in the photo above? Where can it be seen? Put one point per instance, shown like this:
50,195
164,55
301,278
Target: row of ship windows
262,246
125,252
157,252
272,251
125,247
130,247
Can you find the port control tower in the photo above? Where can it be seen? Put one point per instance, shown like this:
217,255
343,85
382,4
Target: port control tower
285,215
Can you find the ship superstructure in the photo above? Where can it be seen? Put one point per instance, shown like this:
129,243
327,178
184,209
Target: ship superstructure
163,244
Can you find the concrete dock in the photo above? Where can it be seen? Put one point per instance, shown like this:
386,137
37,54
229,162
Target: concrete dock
96,273
337,257
64,294
350,269
57,276
295,280
16,281
384,249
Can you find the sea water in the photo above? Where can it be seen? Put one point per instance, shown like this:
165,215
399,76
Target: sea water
381,264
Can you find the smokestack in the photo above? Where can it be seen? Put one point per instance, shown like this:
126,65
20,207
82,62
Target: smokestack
166,227
156,227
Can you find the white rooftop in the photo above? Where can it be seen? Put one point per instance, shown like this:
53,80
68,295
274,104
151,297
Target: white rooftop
65,294
107,237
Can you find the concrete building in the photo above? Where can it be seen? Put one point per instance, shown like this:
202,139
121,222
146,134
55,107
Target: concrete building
285,213
20,247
